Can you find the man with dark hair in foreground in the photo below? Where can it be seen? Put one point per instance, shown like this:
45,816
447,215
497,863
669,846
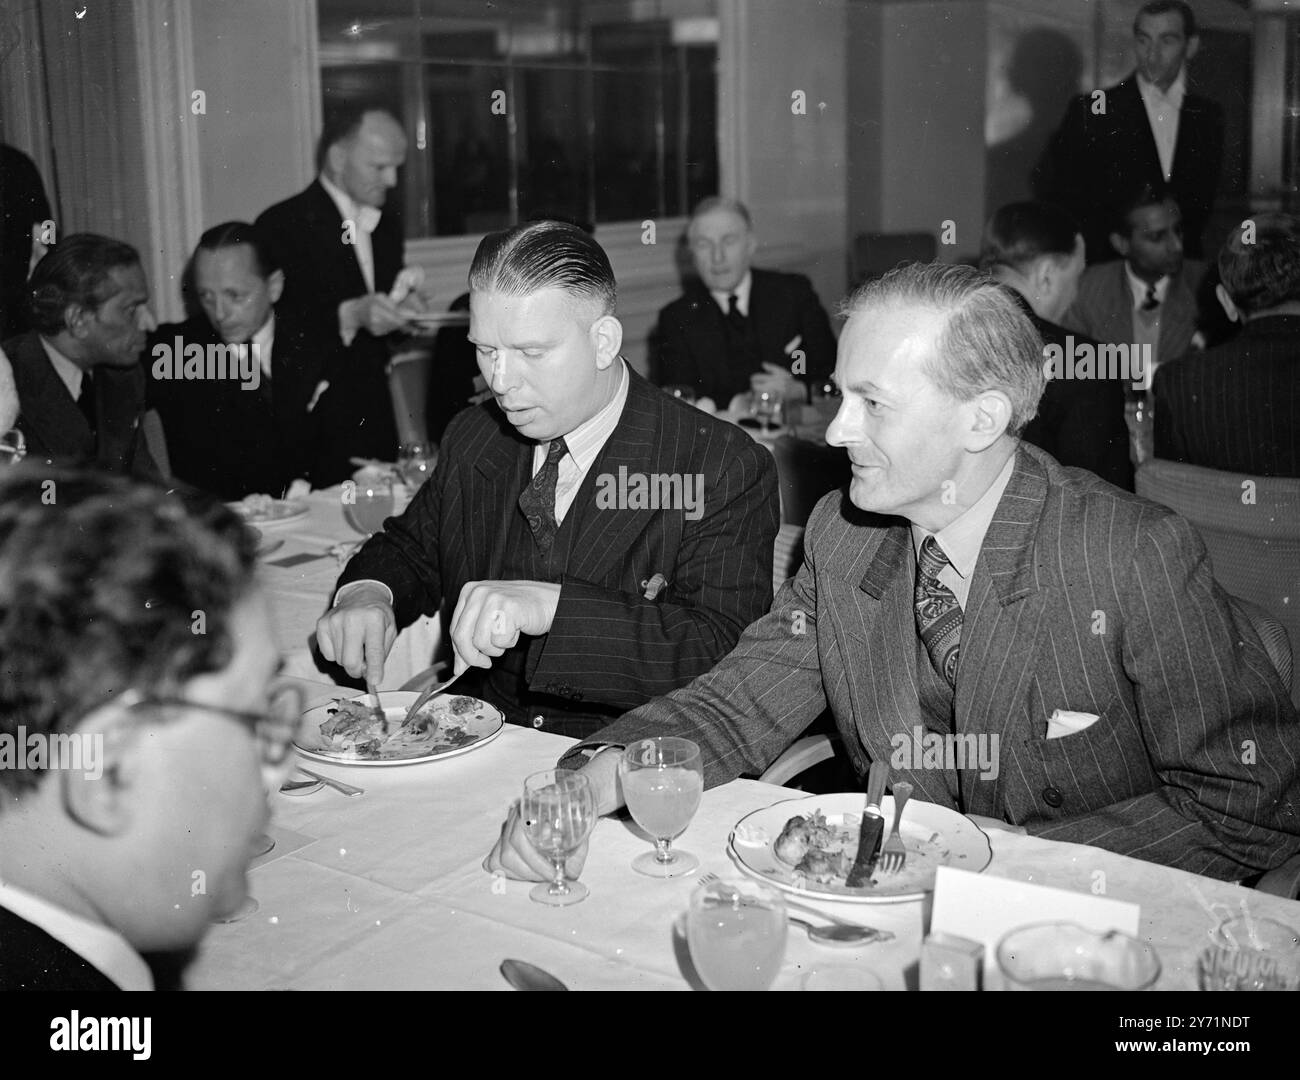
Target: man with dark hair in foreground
136,746
969,588
597,541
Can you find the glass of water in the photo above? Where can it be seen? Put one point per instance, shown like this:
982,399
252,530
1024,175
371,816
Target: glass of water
374,503
736,931
663,782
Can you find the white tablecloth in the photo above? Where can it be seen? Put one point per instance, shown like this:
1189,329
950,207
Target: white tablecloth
388,891
300,594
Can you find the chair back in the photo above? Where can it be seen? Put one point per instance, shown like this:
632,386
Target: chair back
787,555
1251,529
155,439
408,384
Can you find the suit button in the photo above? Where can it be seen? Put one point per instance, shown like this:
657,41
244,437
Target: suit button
1052,797
539,720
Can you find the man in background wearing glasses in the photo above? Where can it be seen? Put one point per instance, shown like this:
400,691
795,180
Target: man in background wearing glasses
132,630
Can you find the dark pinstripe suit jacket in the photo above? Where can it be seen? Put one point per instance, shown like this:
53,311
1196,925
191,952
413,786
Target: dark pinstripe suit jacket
608,646
1235,407
1085,598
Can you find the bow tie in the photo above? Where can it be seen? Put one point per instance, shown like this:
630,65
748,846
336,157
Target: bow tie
368,218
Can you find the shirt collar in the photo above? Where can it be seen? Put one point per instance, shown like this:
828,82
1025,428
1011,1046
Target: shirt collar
95,943
1139,287
69,373
742,295
1174,95
585,441
366,217
962,538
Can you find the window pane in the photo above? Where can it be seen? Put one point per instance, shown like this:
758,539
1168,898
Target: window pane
470,146
553,144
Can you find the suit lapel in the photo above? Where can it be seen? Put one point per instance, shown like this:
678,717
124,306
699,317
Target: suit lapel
53,420
1000,624
1121,324
604,536
1145,146
324,210
501,468
1179,320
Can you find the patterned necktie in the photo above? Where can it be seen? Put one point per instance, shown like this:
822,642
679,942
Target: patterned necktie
1150,303
938,615
537,500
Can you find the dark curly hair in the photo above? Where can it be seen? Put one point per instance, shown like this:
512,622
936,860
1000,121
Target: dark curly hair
77,272
101,580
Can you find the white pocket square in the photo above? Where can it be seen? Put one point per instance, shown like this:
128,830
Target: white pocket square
1063,722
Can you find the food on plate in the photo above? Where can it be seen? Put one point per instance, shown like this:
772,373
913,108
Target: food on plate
820,851
255,506
355,729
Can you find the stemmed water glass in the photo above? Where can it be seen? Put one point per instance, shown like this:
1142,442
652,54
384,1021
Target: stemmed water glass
559,812
767,407
663,781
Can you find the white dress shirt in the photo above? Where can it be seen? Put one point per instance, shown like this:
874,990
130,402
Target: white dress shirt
263,341
366,218
583,444
1139,287
1163,108
741,292
962,538
95,943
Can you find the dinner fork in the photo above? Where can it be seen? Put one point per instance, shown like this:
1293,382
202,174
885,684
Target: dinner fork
893,855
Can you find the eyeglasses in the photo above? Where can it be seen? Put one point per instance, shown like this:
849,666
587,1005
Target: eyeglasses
274,728
13,448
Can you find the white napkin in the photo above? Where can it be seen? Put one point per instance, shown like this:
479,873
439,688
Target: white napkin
409,279
1063,722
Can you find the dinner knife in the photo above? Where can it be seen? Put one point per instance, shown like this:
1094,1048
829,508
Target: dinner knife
872,829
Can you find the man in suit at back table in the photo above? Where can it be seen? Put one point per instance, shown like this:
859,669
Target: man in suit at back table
249,426
1148,129
1148,299
597,541
737,328
1236,406
339,243
1022,643
1036,251
78,373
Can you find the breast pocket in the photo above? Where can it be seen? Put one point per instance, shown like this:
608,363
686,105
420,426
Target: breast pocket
1104,764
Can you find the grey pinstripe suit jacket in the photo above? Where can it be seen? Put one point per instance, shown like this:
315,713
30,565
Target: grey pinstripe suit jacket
1085,598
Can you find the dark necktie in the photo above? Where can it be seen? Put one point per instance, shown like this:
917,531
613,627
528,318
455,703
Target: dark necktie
537,500
938,615
86,402
1150,303
735,318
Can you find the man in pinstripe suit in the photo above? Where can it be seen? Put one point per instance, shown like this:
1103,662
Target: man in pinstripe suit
972,587
600,541
1237,406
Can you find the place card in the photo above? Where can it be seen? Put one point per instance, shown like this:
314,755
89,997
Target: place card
984,908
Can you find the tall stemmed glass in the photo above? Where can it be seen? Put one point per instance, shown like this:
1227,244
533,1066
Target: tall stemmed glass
663,781
559,812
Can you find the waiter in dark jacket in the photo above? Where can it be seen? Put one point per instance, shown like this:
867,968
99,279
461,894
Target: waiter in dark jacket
340,247
1149,129
1037,252
249,425
597,541
736,328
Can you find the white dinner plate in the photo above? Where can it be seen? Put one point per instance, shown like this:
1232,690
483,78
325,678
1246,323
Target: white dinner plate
455,734
934,835
278,512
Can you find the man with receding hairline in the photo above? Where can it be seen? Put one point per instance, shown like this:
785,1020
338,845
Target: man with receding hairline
737,328
969,588
339,243
596,541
